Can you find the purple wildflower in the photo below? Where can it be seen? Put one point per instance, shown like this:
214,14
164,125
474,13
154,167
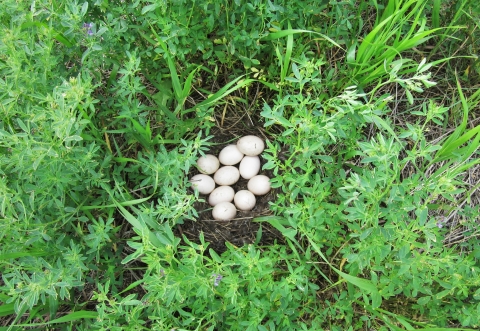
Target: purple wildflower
162,273
441,222
217,280
88,27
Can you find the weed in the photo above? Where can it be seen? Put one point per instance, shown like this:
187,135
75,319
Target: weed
369,113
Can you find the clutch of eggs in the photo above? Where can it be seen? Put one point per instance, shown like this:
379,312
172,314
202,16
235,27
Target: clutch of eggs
234,161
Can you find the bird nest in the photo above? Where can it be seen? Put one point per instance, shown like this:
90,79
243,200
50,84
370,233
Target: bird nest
243,229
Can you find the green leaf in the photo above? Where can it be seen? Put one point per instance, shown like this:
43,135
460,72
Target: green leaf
362,283
73,138
422,216
270,219
409,96
376,299
424,300
125,160
132,302
164,240
214,256
289,233
382,124
84,9
22,125
442,294
149,8
326,158
283,121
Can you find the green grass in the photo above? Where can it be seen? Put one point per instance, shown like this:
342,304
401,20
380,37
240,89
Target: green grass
370,110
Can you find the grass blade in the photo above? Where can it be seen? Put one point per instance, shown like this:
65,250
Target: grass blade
75,316
188,83
72,317
177,87
132,285
458,137
15,255
123,203
113,75
220,94
55,34
130,218
436,13
138,224
284,33
279,222
359,282
368,41
288,55
7,309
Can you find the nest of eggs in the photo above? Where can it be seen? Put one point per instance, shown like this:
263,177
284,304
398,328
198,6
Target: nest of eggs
242,229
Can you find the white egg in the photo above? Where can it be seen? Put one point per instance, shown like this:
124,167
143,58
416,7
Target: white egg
259,185
203,183
221,194
249,167
230,155
250,145
208,164
244,200
224,211
227,175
